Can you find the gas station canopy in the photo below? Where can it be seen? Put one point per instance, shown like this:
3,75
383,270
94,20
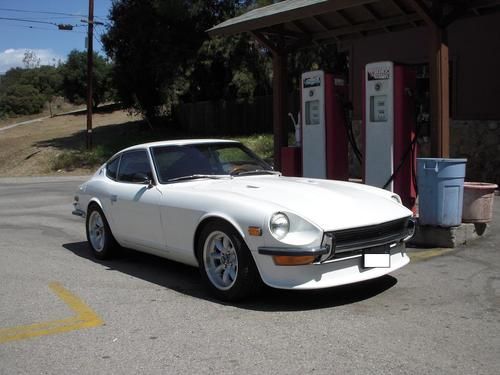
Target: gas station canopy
292,24
299,22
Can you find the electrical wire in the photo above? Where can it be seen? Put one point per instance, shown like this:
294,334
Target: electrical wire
32,27
45,28
27,20
43,12
48,18
35,21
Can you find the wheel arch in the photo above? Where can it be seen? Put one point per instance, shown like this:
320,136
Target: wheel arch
215,217
96,201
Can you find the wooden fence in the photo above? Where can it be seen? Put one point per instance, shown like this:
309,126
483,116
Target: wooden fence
229,117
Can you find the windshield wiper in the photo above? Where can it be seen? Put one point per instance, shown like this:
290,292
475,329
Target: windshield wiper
256,171
196,176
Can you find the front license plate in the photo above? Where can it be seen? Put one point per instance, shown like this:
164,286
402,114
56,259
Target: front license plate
377,257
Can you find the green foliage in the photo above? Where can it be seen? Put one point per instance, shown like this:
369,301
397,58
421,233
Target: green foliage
46,79
21,99
162,54
324,57
71,159
74,78
149,42
261,144
229,68
24,91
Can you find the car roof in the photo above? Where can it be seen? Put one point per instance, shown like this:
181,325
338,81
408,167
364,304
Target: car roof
177,142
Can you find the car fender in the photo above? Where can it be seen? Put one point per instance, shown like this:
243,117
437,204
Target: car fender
251,242
215,216
222,216
96,201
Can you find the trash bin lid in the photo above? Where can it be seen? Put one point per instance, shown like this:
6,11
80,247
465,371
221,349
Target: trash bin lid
445,160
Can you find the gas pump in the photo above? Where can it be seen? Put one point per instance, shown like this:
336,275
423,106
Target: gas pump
389,134
324,134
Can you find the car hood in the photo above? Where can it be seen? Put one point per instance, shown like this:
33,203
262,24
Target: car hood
331,205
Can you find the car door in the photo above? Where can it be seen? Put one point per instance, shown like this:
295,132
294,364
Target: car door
134,203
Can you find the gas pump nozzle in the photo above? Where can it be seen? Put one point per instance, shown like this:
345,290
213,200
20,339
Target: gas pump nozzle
296,125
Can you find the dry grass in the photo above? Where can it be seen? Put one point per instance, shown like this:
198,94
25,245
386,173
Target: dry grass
30,150
57,145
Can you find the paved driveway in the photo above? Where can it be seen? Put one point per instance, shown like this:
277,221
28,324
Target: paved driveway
63,312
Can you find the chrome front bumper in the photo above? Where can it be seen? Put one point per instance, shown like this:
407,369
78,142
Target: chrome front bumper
332,250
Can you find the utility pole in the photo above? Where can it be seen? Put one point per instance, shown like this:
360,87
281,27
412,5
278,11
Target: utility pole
90,67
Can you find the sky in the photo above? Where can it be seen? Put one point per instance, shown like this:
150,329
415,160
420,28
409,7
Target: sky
43,37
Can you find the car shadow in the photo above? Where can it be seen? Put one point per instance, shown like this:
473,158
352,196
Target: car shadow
186,280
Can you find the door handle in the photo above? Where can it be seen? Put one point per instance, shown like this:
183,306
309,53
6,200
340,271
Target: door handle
114,198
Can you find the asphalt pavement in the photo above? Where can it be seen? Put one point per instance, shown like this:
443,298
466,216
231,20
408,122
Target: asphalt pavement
61,311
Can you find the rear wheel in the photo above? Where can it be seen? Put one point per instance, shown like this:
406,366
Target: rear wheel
226,264
99,235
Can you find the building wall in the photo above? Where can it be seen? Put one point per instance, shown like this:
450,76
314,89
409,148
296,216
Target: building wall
474,49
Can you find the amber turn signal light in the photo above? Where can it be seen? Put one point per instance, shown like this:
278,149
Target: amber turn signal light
255,231
286,260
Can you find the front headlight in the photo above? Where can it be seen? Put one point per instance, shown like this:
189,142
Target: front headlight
279,225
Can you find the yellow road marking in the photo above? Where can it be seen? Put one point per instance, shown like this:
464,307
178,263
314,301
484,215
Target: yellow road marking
84,317
427,254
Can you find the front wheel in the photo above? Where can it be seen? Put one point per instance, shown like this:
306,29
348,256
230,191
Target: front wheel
99,235
226,264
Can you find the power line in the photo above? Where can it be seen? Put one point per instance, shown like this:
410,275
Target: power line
43,12
60,26
27,20
48,18
45,28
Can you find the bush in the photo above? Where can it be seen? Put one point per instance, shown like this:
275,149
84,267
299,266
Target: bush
21,99
69,160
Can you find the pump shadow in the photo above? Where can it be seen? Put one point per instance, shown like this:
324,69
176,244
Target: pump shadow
186,280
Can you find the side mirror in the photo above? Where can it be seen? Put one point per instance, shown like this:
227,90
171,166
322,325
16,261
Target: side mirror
144,179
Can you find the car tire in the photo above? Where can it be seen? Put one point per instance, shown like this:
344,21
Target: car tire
226,264
99,234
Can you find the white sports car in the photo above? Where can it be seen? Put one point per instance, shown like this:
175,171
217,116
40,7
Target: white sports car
215,205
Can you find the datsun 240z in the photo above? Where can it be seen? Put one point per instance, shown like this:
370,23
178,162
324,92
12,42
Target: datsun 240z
215,205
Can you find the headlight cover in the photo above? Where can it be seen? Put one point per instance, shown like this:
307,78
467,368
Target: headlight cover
279,225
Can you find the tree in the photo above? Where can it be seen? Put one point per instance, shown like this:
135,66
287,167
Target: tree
31,60
324,57
150,41
74,78
162,53
38,85
229,68
21,99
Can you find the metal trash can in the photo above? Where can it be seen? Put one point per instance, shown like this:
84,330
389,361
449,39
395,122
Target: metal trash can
441,191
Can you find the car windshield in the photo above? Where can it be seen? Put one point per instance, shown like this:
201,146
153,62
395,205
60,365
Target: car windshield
206,160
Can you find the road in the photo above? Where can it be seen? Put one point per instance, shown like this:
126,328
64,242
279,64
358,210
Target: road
63,312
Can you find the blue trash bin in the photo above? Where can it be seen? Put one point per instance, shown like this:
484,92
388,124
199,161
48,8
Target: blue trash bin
441,191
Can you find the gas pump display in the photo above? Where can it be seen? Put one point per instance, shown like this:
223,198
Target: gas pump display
312,112
378,108
389,129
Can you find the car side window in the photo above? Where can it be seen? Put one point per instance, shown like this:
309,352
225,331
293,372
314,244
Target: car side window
134,167
112,168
